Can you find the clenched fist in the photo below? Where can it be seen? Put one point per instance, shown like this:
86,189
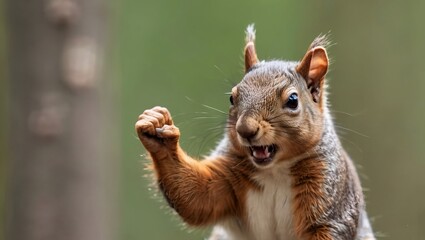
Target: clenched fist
156,130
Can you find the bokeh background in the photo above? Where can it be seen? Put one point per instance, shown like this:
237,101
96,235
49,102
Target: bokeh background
185,55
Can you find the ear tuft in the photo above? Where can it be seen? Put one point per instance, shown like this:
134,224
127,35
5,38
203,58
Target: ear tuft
321,41
250,53
250,33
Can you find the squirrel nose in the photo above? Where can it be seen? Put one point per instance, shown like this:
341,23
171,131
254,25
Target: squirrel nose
247,127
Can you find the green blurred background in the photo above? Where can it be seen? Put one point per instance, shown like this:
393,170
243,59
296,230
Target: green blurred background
187,54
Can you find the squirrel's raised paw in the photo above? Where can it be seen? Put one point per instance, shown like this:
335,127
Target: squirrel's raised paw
156,130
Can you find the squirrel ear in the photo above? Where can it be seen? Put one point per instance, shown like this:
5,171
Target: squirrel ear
249,51
313,67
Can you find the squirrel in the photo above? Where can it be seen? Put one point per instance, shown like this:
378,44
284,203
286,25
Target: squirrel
279,172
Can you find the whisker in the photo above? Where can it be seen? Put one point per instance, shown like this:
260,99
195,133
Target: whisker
231,83
208,139
353,131
347,114
199,118
344,139
215,128
210,134
215,109
207,106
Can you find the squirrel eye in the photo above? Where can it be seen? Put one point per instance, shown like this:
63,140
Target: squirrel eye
231,99
292,102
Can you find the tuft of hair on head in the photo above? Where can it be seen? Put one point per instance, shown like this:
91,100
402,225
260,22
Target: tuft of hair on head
250,33
249,51
321,41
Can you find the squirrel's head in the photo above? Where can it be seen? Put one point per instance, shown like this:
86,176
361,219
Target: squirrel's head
277,110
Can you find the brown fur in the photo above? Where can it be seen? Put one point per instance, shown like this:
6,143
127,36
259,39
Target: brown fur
202,192
327,200
250,56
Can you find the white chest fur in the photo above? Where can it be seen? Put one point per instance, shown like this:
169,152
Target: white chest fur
270,209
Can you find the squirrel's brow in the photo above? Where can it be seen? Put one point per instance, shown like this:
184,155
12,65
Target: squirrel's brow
283,84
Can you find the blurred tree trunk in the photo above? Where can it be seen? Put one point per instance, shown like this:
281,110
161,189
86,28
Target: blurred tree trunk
62,145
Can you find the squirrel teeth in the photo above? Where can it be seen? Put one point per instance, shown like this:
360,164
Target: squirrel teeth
262,152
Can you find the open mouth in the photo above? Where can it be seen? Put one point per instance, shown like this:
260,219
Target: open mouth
263,155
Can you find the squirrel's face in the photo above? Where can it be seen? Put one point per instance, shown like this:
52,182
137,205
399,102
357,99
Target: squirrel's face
277,110
273,114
